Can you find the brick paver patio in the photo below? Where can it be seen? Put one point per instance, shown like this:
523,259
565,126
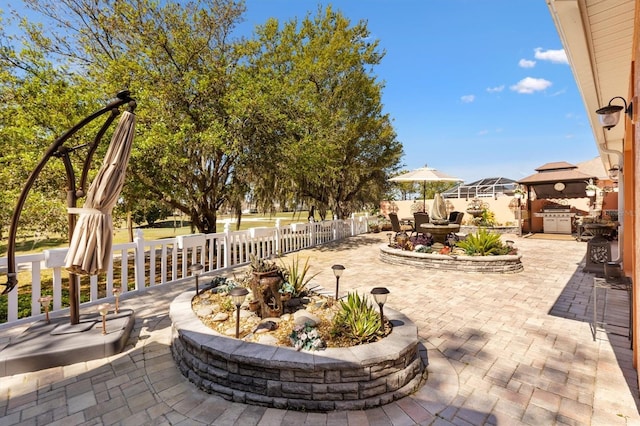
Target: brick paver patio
503,350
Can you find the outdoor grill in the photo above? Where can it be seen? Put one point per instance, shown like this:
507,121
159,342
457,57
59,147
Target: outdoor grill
556,220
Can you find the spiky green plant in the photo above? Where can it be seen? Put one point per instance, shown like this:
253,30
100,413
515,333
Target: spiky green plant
298,276
482,243
357,320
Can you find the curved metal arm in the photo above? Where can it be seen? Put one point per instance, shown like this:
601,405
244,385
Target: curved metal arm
54,150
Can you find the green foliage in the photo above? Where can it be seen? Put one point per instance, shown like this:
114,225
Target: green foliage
297,276
258,264
482,243
149,212
216,115
357,319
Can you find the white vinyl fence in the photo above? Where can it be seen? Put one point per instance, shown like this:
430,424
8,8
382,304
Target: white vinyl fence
142,264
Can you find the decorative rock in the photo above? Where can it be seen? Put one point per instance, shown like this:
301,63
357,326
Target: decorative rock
303,317
267,339
246,314
231,331
220,316
204,312
266,326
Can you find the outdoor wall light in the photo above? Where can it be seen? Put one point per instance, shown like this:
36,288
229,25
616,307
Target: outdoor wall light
614,172
610,114
196,270
103,309
337,271
380,296
237,295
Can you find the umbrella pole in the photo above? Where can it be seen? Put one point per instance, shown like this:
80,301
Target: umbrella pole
74,303
424,196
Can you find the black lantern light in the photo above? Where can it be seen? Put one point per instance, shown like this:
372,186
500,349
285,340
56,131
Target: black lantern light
196,270
337,271
610,114
237,295
380,296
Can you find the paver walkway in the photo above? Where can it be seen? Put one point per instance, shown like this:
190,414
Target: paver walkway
503,350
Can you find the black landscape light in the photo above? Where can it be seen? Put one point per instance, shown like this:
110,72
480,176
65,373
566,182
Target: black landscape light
380,296
196,270
337,271
238,295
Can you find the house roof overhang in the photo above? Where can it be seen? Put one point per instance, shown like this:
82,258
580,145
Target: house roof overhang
597,37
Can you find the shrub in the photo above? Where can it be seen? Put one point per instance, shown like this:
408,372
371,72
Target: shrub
357,319
482,243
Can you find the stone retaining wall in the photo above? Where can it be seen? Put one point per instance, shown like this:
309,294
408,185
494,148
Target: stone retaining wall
353,378
495,264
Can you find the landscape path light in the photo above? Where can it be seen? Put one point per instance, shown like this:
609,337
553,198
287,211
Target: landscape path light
337,271
238,295
44,302
116,294
196,270
103,309
380,296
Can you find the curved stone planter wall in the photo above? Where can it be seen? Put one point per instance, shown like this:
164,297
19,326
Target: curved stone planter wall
332,379
495,264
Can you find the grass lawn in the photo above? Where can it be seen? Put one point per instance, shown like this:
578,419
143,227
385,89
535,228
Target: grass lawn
166,229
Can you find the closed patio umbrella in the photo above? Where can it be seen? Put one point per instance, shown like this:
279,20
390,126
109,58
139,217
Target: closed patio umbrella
439,208
424,175
90,246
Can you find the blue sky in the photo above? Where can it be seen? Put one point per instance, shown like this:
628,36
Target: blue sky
475,88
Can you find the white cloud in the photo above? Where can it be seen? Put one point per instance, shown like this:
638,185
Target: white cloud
554,56
495,89
526,63
467,99
530,85
483,132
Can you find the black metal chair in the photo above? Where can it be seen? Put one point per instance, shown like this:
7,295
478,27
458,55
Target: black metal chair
456,217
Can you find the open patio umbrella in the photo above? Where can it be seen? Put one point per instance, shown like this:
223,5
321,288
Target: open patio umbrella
424,175
90,246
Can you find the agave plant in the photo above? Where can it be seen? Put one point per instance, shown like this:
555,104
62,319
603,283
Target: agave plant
297,276
357,319
482,243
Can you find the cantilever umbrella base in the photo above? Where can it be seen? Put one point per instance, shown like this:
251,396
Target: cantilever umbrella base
56,344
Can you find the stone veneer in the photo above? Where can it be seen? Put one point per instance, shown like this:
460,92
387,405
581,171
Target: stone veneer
352,378
496,264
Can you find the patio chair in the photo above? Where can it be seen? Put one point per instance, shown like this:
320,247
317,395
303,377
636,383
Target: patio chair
456,217
418,219
397,227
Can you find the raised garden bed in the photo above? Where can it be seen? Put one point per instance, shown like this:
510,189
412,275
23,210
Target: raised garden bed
494,264
352,378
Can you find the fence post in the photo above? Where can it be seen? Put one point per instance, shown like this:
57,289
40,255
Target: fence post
278,236
139,260
353,224
227,245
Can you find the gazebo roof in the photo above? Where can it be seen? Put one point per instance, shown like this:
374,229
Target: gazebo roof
572,179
